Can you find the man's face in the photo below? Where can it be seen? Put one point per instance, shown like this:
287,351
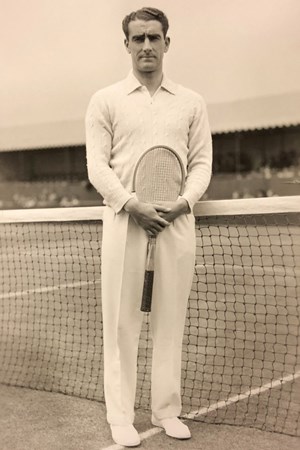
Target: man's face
147,45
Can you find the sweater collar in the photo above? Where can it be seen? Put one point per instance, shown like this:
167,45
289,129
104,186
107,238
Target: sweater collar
132,84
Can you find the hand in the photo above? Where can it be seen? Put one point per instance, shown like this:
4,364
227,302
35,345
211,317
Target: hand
176,209
148,216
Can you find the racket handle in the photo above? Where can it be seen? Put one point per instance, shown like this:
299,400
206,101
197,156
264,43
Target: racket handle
147,291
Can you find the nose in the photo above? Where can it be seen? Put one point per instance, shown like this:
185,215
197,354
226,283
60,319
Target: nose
147,45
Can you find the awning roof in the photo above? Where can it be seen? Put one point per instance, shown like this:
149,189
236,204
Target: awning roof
257,113
42,135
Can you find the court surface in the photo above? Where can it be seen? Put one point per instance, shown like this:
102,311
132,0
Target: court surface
36,420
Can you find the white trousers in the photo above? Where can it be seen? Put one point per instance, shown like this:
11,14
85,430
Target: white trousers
123,265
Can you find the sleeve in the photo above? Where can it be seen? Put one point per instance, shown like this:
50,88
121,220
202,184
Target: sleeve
199,163
98,152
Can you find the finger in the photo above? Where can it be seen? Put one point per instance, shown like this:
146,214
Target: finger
169,217
157,228
164,215
162,222
161,208
152,233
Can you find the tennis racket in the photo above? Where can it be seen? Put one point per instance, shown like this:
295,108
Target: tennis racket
158,177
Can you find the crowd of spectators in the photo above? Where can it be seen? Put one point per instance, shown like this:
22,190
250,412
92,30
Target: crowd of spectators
264,183
39,198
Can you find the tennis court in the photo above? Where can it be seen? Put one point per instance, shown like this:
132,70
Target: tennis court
241,344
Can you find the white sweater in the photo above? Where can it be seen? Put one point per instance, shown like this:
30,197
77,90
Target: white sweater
123,121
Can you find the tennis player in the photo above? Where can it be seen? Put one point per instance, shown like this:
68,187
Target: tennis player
122,122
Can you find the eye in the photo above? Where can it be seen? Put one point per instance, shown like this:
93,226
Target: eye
138,38
154,38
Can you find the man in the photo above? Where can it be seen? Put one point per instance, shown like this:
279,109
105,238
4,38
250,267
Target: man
122,122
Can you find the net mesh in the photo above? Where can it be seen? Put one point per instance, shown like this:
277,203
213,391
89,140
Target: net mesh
240,358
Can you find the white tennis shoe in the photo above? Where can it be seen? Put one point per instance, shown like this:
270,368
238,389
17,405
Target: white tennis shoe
125,435
173,427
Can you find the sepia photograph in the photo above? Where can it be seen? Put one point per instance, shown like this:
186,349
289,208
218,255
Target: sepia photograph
150,225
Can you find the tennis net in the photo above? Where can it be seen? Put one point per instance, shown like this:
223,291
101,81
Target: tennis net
240,358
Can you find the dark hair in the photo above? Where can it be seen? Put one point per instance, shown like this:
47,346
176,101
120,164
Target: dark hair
146,14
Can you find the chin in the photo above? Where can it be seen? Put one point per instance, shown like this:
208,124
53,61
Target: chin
147,68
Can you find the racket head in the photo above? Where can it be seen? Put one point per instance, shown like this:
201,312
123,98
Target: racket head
159,175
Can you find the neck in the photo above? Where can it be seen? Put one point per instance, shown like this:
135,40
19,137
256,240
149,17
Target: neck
152,80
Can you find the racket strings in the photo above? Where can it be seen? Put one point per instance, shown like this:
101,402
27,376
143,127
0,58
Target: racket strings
158,176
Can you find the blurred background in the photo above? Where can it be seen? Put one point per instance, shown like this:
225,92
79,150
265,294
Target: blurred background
242,56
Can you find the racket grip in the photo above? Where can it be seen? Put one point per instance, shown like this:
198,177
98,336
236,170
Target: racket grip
147,291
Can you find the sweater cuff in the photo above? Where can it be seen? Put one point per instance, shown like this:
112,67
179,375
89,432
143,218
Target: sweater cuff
118,205
190,202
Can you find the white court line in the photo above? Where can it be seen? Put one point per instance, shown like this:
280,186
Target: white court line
238,397
218,405
48,289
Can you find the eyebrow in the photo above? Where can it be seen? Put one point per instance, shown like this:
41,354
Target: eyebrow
143,35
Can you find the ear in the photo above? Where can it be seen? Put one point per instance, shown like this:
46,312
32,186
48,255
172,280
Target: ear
167,44
126,43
